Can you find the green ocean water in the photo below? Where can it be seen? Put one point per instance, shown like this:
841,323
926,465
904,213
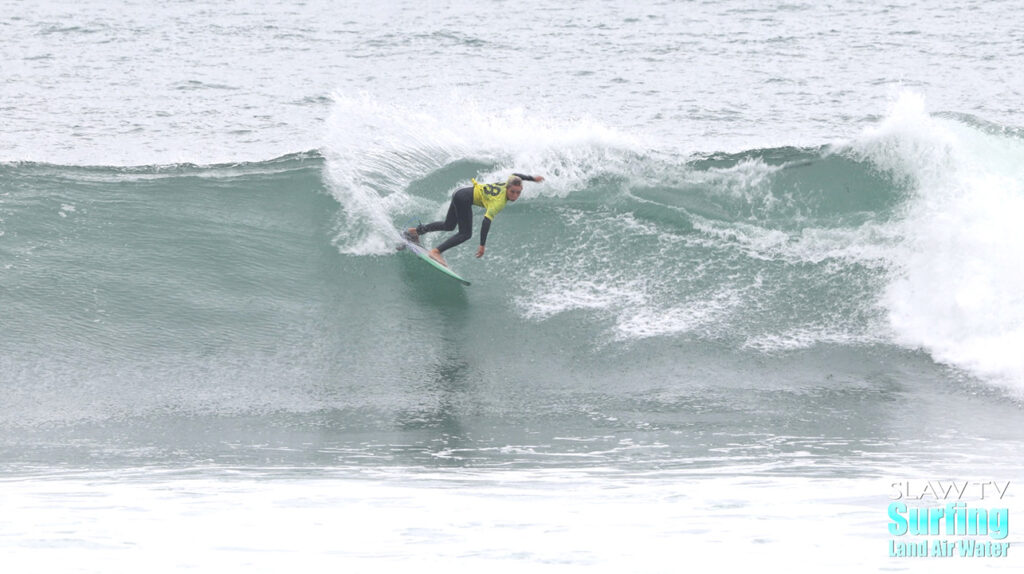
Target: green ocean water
719,311
773,272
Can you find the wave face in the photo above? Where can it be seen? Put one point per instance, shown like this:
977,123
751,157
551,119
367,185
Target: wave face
272,288
907,234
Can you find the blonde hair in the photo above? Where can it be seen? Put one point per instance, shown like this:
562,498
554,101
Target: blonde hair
514,180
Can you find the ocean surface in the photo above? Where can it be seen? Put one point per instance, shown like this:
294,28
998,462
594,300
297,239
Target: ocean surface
771,285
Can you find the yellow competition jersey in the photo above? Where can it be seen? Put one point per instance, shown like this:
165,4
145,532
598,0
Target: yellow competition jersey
490,196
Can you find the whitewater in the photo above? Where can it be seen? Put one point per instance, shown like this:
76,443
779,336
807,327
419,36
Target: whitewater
773,270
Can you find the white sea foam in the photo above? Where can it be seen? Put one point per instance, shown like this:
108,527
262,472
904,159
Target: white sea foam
375,149
651,321
870,244
811,336
504,521
958,291
568,295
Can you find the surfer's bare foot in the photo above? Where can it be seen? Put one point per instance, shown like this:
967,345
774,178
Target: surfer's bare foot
412,235
436,256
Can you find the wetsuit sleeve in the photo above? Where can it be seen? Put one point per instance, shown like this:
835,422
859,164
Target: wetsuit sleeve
484,228
524,177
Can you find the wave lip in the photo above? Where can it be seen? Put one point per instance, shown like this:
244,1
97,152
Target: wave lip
388,162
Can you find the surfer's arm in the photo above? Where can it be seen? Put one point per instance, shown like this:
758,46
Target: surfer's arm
536,178
485,227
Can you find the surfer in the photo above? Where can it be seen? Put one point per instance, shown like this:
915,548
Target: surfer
491,196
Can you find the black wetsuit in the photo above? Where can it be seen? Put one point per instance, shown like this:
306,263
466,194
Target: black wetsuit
460,213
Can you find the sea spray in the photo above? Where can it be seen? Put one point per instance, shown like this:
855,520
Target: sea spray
379,153
957,287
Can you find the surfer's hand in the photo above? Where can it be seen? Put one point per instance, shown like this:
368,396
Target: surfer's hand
479,252
538,178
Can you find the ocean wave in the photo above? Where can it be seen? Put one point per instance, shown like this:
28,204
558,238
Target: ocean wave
957,284
282,163
906,233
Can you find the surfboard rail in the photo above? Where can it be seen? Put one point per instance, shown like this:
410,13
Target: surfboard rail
421,252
